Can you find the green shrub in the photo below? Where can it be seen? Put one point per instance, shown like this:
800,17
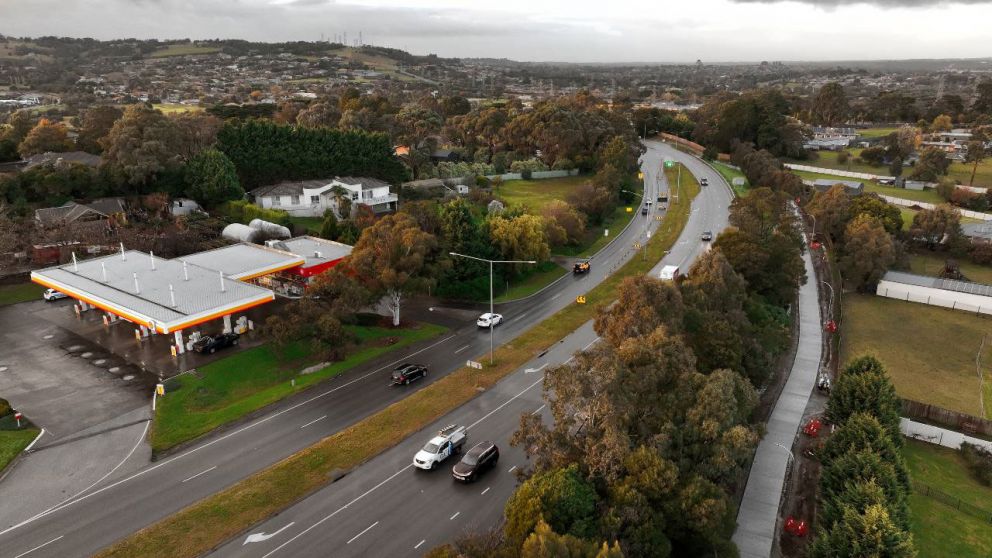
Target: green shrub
979,462
243,211
5,408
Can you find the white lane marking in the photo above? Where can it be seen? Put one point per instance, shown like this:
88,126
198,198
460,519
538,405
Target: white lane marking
39,546
418,544
512,469
591,343
362,533
462,349
521,316
313,421
452,518
532,370
539,409
262,537
556,296
486,490
201,473
507,402
66,504
570,359
391,477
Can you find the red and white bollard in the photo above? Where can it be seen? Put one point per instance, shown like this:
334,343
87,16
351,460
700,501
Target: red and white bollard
17,417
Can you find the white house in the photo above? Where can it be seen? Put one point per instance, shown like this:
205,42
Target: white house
311,198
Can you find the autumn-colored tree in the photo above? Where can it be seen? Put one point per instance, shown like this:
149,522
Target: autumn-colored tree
932,165
942,123
643,304
319,114
572,222
195,132
141,144
19,123
933,226
868,252
830,106
872,204
975,155
545,543
594,201
393,258
520,238
95,125
45,136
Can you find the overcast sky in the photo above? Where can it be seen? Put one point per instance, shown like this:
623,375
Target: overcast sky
551,30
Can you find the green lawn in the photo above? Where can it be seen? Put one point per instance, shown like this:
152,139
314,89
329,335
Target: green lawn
927,196
876,132
828,160
548,272
938,529
535,194
928,351
311,224
228,389
931,263
21,292
183,49
12,443
961,172
729,174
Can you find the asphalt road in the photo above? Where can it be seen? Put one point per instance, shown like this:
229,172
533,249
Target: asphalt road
122,504
386,507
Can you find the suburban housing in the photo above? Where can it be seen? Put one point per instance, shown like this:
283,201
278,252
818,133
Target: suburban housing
311,198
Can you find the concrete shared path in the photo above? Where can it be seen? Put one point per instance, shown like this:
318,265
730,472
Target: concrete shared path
758,515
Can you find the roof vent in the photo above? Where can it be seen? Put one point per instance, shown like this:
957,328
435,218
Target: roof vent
317,254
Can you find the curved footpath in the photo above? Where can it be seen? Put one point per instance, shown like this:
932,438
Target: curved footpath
758,515
387,508
126,502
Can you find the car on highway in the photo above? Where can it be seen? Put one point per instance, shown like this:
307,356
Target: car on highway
704,182
644,210
707,236
210,344
489,320
481,457
52,294
663,198
449,440
581,267
407,372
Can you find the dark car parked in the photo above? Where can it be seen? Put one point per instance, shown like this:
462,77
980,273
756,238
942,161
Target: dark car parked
406,373
476,461
210,344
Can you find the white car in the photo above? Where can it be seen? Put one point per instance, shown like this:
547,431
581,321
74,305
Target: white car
487,320
449,440
52,294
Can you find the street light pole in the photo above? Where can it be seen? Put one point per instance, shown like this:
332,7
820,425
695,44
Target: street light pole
491,262
830,307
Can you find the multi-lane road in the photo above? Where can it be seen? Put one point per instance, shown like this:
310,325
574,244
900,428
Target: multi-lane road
388,508
121,505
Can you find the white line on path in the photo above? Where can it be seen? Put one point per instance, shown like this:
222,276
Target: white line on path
556,296
590,343
452,518
539,409
418,544
362,533
386,480
512,469
462,349
39,546
201,473
486,490
313,421
67,503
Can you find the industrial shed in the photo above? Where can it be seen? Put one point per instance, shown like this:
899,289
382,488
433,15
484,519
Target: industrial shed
947,293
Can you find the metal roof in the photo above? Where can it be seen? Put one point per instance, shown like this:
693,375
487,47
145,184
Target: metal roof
244,260
308,246
979,289
108,282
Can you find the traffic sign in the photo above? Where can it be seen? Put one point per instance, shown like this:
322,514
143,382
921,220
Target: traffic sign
640,176
473,364
630,209
669,163
581,299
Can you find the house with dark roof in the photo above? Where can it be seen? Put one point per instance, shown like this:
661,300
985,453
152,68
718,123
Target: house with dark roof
103,211
852,187
311,198
445,155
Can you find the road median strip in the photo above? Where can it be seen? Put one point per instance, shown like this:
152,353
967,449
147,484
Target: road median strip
210,522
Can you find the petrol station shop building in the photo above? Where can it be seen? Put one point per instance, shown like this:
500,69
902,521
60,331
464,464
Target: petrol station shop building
170,296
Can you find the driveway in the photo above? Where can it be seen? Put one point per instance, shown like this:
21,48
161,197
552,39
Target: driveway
93,406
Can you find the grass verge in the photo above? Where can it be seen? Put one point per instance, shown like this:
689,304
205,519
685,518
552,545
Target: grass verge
12,443
228,389
311,224
933,521
21,292
207,523
729,174
547,273
928,351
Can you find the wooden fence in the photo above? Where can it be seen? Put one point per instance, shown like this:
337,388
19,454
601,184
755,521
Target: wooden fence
945,417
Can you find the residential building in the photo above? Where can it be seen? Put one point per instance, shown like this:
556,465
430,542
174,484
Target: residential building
853,187
311,198
103,212
53,159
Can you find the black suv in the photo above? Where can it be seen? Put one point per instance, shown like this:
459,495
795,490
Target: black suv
481,457
209,345
406,373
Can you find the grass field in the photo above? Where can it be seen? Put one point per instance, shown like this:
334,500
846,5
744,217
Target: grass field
21,292
928,351
311,224
729,174
13,442
940,530
932,263
876,132
205,524
960,172
228,389
172,108
183,49
926,196
548,272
